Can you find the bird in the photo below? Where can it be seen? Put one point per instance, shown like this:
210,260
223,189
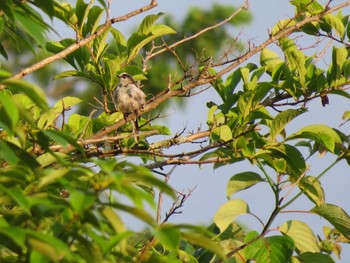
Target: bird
128,97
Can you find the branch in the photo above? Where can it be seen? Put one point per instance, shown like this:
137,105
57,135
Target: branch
83,42
244,6
208,78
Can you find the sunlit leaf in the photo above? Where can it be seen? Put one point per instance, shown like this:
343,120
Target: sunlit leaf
312,188
50,246
302,235
291,156
320,133
269,59
223,132
147,23
242,181
281,120
204,242
228,212
139,40
335,23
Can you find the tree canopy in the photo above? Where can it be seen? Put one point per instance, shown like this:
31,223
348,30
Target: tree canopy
68,176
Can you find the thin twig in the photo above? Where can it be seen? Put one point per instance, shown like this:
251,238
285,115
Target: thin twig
244,6
84,41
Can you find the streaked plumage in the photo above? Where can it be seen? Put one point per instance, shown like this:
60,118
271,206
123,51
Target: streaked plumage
128,97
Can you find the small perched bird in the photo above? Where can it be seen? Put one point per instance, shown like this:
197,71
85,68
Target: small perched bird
128,97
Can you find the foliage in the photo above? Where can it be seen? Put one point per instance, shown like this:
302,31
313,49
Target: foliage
67,179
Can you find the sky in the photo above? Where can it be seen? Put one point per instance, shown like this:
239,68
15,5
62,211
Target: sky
210,185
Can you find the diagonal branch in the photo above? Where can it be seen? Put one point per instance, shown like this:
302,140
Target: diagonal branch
244,6
83,42
208,78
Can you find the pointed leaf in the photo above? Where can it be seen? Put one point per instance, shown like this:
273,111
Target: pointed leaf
9,108
319,133
29,89
147,23
242,181
81,201
335,23
281,120
228,212
204,242
169,236
336,216
312,188
275,249
269,59
139,40
31,26
315,257
304,239
294,160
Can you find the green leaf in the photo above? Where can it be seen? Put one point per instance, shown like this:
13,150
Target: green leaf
204,242
14,155
335,23
81,201
79,126
114,219
48,245
242,181
10,107
269,59
319,133
336,216
169,236
281,120
228,212
312,188
315,257
246,104
31,26
305,5
31,90
46,6
291,156
139,40
19,197
15,234
223,132
51,177
346,116
302,235
71,73
63,138
275,249
137,212
147,23
81,10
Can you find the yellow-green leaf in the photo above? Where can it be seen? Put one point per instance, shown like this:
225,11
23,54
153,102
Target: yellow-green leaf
229,211
305,240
